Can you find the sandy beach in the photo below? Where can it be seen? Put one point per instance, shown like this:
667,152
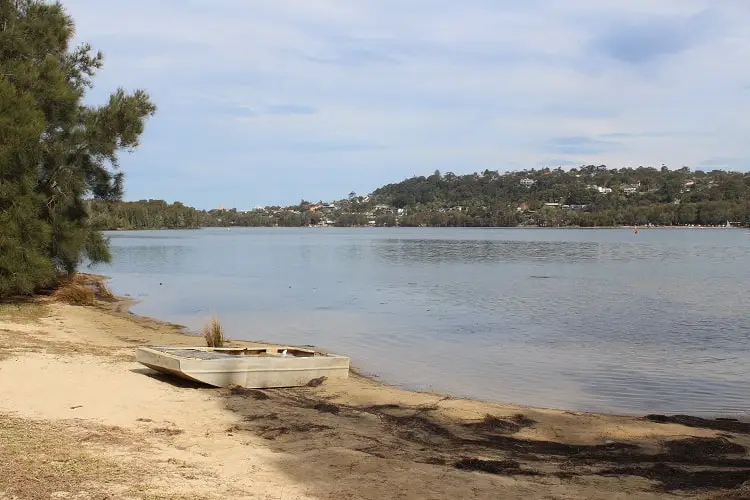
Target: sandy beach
80,419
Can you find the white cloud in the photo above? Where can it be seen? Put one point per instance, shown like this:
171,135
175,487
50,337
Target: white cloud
390,89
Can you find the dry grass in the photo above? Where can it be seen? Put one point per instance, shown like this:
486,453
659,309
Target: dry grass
97,284
75,294
214,334
14,343
44,459
23,312
83,290
102,292
26,313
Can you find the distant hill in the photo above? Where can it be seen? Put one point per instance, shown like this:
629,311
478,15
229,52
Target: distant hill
586,196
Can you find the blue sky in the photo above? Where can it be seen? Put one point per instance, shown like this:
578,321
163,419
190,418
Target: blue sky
266,102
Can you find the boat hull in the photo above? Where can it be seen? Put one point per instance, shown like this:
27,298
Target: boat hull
251,368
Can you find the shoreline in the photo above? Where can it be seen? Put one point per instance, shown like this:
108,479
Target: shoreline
128,302
589,228
71,369
374,372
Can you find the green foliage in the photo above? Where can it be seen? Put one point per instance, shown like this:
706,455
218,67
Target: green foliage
158,214
555,198
54,151
351,220
145,214
638,196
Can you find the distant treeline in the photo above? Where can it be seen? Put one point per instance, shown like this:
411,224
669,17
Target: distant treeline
145,214
158,214
708,213
586,196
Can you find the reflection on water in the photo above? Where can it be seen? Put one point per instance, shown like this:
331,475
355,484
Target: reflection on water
592,320
157,258
568,252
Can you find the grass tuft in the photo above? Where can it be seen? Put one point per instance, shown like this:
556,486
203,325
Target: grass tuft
214,334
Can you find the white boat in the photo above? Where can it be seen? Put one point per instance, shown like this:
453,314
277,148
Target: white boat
251,367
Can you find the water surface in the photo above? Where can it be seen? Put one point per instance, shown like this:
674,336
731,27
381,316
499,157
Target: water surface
600,320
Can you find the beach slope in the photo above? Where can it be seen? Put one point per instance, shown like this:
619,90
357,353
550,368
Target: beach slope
80,419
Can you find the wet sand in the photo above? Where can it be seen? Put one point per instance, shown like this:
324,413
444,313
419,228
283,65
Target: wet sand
80,419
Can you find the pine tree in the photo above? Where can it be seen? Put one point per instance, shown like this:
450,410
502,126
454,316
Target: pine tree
24,237
54,151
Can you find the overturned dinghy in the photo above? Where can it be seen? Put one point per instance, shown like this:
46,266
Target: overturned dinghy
252,367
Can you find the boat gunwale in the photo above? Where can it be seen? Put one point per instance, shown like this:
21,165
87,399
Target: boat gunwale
166,353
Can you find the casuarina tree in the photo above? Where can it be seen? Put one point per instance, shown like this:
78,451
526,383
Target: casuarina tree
55,151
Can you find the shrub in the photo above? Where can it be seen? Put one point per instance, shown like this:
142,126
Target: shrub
75,294
82,289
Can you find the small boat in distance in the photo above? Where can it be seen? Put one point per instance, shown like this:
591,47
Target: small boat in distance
250,367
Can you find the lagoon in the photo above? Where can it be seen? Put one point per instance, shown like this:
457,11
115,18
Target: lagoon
594,320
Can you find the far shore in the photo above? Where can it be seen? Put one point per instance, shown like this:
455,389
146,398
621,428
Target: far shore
80,418
425,227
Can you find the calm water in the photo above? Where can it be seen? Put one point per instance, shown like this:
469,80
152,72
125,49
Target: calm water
601,320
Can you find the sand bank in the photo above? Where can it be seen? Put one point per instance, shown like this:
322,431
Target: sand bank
80,419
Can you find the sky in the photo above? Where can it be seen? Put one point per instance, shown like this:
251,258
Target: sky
268,102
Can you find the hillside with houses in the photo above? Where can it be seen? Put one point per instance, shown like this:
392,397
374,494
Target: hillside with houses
588,196
585,196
